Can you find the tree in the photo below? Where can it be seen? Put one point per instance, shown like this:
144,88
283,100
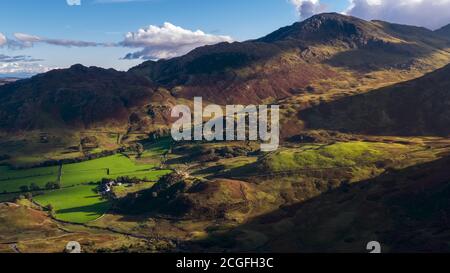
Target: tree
139,149
50,209
52,186
29,196
24,188
34,187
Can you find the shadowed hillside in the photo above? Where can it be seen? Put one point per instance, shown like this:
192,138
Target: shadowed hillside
77,97
405,210
417,107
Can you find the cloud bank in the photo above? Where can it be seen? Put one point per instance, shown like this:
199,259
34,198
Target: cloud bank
22,68
154,42
428,13
19,58
28,40
21,64
3,39
167,41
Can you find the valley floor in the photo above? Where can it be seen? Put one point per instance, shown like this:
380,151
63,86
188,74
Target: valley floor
306,197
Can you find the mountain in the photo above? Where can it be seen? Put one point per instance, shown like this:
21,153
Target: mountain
295,57
309,55
416,107
78,97
329,27
444,31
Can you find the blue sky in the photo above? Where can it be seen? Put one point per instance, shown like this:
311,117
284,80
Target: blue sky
109,22
52,30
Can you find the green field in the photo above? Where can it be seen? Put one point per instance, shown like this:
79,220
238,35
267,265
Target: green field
77,200
119,165
79,204
326,156
11,180
78,173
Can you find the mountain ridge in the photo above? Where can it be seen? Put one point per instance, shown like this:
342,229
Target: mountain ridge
280,65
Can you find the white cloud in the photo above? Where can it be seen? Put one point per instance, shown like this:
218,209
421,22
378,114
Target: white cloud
21,64
167,41
74,2
3,39
164,42
20,67
307,8
28,40
429,13
19,58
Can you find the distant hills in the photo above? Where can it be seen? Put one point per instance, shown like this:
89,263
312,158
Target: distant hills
282,64
7,80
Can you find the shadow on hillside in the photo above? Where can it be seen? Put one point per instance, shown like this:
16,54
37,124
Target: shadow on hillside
406,211
380,55
415,108
94,209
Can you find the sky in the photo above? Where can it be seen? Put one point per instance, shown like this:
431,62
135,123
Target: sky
37,36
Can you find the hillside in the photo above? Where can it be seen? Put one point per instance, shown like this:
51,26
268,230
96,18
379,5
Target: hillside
444,31
77,97
407,210
416,107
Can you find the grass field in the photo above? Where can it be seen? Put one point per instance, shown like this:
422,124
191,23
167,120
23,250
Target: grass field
77,201
11,180
123,190
118,165
78,173
325,156
78,204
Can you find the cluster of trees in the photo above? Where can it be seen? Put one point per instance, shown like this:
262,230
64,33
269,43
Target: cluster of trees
208,154
83,158
35,187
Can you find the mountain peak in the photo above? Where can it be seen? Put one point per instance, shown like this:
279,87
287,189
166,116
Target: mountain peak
325,26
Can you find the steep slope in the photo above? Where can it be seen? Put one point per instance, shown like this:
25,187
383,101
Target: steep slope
77,97
417,107
406,210
444,31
